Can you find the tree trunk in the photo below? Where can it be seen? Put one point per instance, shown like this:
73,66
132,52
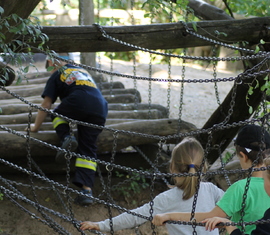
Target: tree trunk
22,9
222,137
87,17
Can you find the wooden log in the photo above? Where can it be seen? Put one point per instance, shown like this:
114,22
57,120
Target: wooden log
33,99
111,85
136,114
35,76
9,109
121,91
38,89
31,91
42,80
139,106
128,114
154,36
47,126
11,143
122,98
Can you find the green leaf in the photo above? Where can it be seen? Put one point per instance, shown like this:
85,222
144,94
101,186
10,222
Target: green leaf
19,80
250,90
50,68
257,84
262,41
257,49
2,36
250,110
194,25
1,10
26,69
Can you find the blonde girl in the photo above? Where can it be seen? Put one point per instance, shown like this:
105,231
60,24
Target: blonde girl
186,157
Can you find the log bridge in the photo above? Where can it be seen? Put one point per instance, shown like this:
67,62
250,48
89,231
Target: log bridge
124,114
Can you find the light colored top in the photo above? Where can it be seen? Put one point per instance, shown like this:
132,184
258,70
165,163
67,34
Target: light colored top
170,201
257,201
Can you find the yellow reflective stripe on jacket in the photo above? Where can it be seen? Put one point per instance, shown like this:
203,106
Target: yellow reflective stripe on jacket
80,162
57,121
86,83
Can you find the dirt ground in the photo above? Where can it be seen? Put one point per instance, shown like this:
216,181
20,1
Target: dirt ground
200,101
15,221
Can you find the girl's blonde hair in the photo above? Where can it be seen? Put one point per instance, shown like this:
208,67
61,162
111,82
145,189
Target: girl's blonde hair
187,157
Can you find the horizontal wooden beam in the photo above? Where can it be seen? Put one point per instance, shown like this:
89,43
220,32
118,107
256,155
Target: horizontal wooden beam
155,36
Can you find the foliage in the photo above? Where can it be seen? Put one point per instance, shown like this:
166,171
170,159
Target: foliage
264,88
18,50
247,8
265,108
134,184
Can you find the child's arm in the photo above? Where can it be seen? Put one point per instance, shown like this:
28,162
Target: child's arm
211,224
46,103
159,219
89,225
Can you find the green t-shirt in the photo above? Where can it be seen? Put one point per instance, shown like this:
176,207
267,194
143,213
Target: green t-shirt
257,201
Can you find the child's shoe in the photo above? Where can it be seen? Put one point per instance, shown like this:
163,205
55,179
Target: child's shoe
84,200
68,141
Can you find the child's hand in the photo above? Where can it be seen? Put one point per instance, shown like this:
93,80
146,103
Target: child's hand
212,223
89,225
159,219
32,128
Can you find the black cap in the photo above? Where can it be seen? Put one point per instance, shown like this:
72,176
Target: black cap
250,134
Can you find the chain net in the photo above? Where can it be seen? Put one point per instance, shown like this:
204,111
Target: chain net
154,174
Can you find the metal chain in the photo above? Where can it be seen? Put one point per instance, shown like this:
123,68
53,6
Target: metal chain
248,57
169,70
241,76
109,169
200,171
152,186
150,162
128,169
181,100
214,41
150,87
250,172
169,88
31,161
214,50
227,179
111,75
29,164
